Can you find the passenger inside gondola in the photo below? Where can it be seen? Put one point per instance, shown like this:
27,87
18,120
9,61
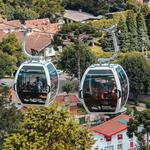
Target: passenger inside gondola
100,93
38,85
32,86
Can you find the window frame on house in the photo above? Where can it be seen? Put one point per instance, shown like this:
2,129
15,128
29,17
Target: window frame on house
131,144
120,136
110,147
108,139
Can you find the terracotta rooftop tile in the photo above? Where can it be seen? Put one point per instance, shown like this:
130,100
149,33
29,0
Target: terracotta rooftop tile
59,99
71,98
112,126
37,22
35,40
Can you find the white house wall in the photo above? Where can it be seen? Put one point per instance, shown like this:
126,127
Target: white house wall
101,142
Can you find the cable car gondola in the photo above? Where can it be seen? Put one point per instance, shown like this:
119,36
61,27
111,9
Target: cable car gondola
36,81
104,88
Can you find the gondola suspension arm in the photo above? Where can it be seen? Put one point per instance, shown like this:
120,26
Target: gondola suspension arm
116,47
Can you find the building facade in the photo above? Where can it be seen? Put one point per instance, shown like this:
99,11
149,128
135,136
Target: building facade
112,135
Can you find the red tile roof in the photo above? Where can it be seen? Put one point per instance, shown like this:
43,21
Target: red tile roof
35,40
24,109
112,126
4,24
71,98
73,110
43,24
36,23
15,23
59,99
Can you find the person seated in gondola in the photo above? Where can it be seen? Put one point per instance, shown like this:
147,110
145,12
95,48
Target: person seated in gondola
28,86
23,88
101,96
114,95
38,85
44,84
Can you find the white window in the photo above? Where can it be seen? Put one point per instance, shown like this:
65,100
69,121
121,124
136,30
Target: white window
120,136
109,148
120,147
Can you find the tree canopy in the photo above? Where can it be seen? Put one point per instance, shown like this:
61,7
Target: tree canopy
49,128
7,64
11,46
67,87
132,30
137,68
122,35
140,125
95,7
10,55
33,9
142,33
68,59
9,115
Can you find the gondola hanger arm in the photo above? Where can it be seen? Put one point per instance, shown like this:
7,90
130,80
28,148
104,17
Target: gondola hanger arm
116,47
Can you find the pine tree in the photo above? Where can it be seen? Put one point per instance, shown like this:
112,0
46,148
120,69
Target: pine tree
147,19
132,29
122,35
107,42
142,32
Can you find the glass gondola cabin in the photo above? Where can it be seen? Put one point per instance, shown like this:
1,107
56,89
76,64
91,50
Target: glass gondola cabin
104,89
36,83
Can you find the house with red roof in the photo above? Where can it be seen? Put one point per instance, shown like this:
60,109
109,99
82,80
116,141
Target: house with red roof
112,135
37,43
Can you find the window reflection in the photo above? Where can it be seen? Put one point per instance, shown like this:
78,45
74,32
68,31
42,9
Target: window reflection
100,91
54,80
124,84
32,85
